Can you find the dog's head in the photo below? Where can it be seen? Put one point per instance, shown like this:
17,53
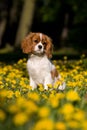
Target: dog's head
37,43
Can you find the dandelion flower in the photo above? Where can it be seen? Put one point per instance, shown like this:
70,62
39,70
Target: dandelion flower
60,126
44,112
45,124
20,119
72,96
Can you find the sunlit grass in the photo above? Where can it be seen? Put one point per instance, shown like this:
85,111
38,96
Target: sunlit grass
24,109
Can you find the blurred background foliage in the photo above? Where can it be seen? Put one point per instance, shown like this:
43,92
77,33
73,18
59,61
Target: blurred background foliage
65,21
50,9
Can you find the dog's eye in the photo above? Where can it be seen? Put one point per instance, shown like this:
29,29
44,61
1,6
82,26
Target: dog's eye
44,43
36,41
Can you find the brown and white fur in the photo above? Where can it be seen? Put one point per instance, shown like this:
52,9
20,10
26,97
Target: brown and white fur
41,71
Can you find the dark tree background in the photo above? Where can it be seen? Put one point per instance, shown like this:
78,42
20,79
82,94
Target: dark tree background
65,21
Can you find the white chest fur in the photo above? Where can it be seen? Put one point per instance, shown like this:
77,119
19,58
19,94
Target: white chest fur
39,68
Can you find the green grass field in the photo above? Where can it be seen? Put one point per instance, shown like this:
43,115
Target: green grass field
24,109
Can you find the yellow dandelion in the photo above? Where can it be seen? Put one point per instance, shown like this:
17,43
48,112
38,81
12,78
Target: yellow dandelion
20,101
0,77
3,93
57,83
57,67
65,57
60,95
82,56
41,88
73,124
1,86
20,119
67,110
13,109
72,96
22,83
29,87
53,100
49,86
10,94
13,86
1,82
13,81
60,126
17,94
79,115
11,75
84,124
20,61
45,124
44,112
44,96
30,107
34,96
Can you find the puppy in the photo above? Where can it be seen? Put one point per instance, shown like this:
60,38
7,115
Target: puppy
41,71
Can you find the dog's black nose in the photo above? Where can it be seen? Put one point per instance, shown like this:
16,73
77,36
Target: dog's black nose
40,47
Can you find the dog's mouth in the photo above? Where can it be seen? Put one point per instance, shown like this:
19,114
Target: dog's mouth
39,52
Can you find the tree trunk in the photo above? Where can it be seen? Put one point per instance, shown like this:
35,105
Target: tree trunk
2,28
25,21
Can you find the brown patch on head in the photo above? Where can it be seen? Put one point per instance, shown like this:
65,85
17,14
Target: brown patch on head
49,46
32,39
54,73
27,43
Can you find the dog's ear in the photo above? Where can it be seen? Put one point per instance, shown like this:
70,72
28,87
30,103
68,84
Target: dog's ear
49,47
26,44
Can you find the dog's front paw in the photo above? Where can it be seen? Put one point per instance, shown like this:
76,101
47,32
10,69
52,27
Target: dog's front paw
45,87
62,87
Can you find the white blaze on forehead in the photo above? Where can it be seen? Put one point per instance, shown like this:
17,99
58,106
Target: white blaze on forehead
40,36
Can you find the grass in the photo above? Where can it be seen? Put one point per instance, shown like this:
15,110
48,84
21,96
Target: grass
24,109
67,51
9,55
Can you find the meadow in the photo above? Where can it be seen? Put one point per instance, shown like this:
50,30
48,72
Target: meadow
24,109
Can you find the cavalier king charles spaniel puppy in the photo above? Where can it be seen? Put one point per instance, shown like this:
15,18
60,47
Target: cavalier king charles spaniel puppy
41,70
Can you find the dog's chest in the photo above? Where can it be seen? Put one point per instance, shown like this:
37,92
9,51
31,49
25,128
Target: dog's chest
38,66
